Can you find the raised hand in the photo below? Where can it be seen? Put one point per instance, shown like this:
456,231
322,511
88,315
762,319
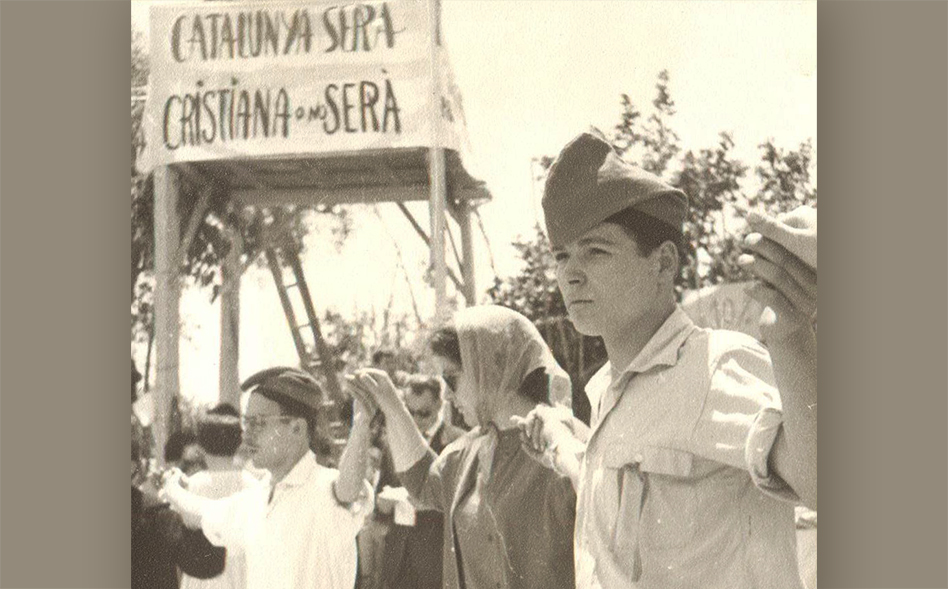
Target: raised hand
783,258
374,389
544,427
795,231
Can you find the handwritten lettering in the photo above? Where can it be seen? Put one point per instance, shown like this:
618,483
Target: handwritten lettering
368,97
275,33
236,113
225,114
358,27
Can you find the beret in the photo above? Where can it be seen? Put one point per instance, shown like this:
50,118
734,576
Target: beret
286,383
589,182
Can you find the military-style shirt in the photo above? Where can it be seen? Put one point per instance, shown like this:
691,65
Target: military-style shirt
675,488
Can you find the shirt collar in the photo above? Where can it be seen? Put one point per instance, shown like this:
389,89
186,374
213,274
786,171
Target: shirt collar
661,350
301,472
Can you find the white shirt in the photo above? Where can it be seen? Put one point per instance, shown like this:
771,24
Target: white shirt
301,538
217,485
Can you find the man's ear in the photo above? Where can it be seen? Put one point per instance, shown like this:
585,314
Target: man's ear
668,260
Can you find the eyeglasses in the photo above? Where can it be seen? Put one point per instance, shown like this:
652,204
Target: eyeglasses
258,422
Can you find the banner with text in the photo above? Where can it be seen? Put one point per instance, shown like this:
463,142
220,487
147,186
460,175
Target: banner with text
279,79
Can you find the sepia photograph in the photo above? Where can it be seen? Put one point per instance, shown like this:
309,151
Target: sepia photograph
473,294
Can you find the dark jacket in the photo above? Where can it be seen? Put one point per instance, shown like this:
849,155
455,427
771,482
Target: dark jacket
413,557
161,543
534,510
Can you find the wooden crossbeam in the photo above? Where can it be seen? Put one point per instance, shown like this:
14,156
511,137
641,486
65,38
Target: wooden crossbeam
427,240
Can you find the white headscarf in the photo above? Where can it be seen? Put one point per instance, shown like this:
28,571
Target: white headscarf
499,348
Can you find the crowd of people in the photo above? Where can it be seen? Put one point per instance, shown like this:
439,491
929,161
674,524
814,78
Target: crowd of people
700,445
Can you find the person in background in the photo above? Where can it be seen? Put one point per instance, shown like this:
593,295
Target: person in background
508,521
183,451
297,526
161,545
413,558
424,401
153,528
688,476
386,360
218,433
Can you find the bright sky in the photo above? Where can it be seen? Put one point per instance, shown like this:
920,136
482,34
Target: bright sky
533,75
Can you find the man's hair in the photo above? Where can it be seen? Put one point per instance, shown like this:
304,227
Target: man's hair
279,383
174,447
445,343
380,355
536,386
292,408
648,232
219,431
419,384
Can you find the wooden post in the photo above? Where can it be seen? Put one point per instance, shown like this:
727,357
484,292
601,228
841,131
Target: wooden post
229,375
167,299
436,167
467,252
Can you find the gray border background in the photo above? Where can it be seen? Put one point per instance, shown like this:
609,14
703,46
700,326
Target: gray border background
64,250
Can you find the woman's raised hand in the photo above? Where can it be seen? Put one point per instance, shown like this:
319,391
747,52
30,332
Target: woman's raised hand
374,389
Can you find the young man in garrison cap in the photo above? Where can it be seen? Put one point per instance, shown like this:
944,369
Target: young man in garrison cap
298,527
687,476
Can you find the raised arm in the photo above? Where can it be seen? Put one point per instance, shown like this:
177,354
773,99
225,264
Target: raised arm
793,457
190,506
353,467
783,258
406,442
411,455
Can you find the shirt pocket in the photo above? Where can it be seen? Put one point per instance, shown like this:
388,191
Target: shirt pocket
657,499
669,512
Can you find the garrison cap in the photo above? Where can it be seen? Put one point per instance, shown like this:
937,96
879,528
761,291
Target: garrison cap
589,183
283,383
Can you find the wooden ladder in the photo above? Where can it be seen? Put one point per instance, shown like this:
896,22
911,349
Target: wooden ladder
315,356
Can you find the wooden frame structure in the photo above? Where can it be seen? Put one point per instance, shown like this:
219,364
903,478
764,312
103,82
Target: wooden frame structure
399,176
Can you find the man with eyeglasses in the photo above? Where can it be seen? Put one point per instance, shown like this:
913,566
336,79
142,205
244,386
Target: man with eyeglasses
297,528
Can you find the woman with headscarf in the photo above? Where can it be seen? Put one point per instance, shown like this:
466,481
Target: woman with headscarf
508,519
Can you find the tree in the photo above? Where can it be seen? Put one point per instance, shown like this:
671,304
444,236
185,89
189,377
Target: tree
715,181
